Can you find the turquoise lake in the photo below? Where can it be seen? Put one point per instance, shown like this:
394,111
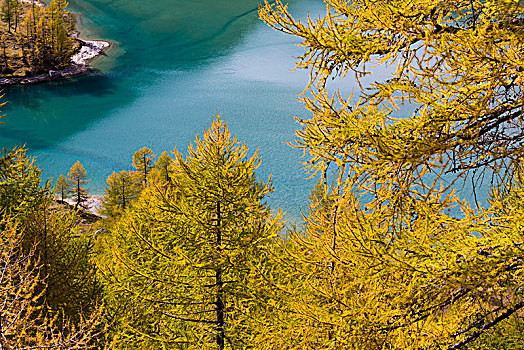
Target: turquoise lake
173,66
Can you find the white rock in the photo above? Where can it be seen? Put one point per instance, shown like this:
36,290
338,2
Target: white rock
37,3
89,50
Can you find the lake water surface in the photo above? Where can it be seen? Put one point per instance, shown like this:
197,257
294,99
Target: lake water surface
174,64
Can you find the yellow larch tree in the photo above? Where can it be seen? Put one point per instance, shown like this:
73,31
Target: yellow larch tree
77,177
62,187
143,161
179,265
122,189
391,257
47,289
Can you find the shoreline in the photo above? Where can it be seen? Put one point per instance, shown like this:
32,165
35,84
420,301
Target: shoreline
89,51
79,63
92,204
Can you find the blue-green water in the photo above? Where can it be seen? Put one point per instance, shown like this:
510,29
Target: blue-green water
174,64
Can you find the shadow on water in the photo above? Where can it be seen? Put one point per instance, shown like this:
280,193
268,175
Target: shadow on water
40,116
93,84
174,64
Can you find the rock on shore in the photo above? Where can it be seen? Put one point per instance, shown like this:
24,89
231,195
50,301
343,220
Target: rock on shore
89,50
92,204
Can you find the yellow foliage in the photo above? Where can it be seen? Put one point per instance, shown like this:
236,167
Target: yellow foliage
178,263
390,256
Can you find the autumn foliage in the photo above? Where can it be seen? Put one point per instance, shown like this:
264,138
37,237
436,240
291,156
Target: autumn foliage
391,253
392,256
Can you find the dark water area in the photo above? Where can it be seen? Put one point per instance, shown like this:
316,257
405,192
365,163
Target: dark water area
173,65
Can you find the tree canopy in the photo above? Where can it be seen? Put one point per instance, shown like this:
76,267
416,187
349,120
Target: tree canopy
47,288
178,264
62,187
458,62
143,161
391,255
77,177
121,190
36,38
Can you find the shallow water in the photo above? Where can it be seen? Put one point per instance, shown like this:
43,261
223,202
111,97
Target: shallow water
174,64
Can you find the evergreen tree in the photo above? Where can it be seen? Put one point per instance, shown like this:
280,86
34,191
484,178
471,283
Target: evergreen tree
77,177
182,257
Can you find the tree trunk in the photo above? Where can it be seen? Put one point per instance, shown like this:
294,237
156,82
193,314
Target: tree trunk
145,169
6,66
77,193
219,303
123,196
16,14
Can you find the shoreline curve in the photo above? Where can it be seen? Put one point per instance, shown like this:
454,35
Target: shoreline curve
79,64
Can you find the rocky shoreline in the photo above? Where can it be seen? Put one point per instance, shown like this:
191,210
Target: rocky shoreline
89,50
92,204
